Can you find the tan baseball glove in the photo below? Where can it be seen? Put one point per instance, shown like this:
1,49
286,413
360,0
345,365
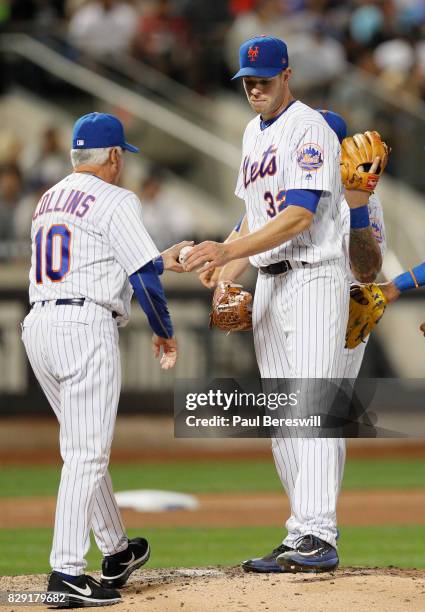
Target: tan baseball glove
358,153
231,308
367,305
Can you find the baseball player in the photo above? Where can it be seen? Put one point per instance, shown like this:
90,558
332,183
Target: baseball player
90,251
364,248
290,164
364,240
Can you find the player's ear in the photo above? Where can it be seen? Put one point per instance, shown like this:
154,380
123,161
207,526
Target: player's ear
287,73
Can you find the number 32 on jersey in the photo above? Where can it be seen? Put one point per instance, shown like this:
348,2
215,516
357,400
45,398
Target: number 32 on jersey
275,205
53,253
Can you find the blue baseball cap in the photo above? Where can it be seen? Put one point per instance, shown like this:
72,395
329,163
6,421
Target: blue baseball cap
98,131
262,56
335,122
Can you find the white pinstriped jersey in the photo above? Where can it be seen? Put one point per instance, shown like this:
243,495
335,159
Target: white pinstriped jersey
376,215
87,238
297,151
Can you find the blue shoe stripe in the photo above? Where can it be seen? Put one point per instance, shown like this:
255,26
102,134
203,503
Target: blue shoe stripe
327,561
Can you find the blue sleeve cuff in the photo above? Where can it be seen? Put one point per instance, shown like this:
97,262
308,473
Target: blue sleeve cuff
306,198
159,265
359,217
151,297
411,279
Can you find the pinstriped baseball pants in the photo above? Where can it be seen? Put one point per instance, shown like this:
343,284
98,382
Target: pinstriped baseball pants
75,356
351,364
299,321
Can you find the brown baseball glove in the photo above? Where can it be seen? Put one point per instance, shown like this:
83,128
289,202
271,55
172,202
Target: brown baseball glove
367,305
231,308
358,153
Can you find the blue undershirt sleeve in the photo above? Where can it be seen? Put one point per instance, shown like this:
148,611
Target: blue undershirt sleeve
159,265
151,297
306,198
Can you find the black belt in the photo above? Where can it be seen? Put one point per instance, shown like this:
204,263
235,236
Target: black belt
280,267
71,302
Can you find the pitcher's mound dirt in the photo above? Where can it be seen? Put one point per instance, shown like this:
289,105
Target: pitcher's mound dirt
217,589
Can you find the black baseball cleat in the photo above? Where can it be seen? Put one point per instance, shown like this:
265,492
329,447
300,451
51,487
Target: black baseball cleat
117,568
311,555
79,592
266,564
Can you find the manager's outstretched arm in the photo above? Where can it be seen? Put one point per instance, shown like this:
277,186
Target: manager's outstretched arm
285,226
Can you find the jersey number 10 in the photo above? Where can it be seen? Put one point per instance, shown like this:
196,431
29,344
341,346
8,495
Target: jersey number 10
58,236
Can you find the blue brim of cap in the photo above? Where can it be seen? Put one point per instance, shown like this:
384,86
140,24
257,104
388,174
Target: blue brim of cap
128,147
259,72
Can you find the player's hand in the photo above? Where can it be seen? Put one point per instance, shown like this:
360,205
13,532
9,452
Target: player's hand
209,278
422,328
169,351
356,198
212,254
171,256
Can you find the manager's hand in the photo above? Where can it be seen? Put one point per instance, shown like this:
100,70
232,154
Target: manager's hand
170,256
169,351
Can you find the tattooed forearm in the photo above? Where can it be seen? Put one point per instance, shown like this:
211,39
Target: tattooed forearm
365,255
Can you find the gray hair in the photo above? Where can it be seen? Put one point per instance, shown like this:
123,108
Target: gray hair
96,157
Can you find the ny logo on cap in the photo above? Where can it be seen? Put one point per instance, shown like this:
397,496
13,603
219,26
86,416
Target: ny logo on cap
253,53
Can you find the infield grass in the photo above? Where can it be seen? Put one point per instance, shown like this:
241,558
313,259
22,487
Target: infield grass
26,551
213,476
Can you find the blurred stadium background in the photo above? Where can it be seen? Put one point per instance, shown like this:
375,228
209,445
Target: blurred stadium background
164,67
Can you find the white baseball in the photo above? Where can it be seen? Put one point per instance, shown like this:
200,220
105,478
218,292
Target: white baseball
183,254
